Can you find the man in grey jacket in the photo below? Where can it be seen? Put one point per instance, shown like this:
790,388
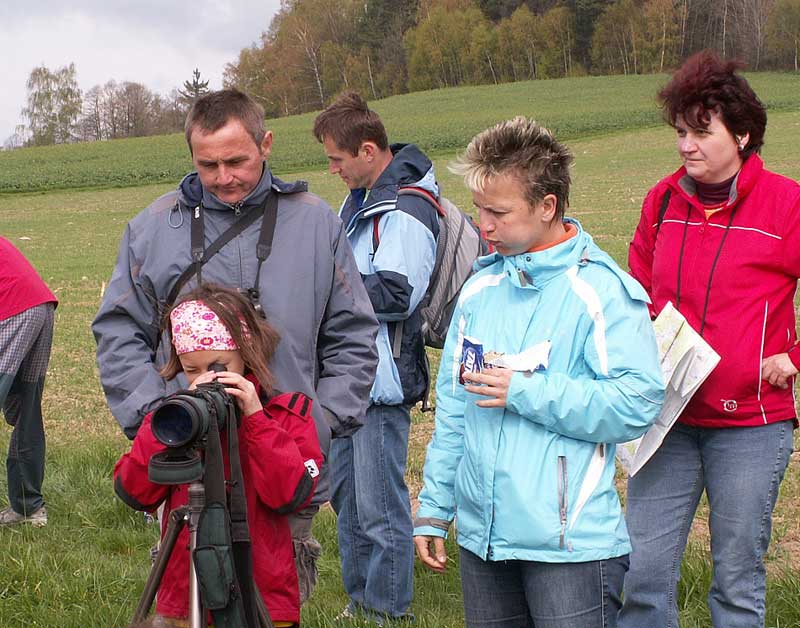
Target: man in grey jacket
308,285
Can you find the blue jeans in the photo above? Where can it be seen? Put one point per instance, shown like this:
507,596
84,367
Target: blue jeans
370,497
527,594
740,469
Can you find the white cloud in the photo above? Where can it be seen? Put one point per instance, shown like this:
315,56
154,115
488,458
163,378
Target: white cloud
151,42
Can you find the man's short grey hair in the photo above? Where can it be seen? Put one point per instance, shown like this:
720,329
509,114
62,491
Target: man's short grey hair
523,148
214,110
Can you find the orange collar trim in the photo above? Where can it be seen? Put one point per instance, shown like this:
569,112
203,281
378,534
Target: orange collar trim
570,231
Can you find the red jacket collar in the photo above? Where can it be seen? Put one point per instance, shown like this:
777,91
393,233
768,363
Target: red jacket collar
681,183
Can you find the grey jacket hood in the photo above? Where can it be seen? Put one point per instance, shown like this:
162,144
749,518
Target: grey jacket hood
191,191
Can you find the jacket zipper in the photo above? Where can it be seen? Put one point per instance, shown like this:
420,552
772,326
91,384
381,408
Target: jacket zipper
562,498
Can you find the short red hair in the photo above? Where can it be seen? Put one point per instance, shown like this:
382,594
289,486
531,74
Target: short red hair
705,84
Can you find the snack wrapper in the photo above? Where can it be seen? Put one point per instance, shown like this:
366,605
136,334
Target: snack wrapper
471,358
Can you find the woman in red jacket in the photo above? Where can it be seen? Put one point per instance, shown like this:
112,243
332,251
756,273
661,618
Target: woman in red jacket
278,446
720,239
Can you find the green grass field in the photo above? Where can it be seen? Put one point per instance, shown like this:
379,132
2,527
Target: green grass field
440,121
87,567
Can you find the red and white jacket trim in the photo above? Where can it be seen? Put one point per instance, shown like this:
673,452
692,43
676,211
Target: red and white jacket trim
734,276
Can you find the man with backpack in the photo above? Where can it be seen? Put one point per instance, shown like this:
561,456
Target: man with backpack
234,223
391,220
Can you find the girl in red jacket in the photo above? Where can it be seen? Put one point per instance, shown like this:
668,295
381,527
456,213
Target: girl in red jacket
279,450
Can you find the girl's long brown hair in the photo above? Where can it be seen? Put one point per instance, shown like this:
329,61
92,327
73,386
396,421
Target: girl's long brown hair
257,345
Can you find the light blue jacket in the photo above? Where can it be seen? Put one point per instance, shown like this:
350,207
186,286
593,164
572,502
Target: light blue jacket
396,272
535,480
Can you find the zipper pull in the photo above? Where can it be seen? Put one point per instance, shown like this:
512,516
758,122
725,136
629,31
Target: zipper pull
237,208
562,499
197,212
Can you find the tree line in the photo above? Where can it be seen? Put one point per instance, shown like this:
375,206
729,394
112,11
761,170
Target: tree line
314,49
57,112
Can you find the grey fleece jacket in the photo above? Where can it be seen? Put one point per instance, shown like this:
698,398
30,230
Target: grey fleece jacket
310,289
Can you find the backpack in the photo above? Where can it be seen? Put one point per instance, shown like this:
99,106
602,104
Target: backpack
459,244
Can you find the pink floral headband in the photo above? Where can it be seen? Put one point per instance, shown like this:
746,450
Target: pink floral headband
195,327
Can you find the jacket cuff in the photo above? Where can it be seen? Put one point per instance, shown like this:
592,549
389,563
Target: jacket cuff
794,356
429,526
258,415
130,501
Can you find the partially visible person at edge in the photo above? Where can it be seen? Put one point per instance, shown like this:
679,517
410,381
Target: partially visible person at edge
214,325
394,242
309,287
26,334
727,254
526,459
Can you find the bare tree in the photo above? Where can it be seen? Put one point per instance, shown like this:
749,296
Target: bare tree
135,107
91,122
17,139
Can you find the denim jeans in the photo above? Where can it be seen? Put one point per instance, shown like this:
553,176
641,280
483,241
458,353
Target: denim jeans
527,594
370,497
740,470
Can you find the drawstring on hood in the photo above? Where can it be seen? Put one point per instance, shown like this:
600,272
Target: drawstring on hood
714,267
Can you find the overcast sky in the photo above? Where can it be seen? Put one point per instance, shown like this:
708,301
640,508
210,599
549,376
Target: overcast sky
154,42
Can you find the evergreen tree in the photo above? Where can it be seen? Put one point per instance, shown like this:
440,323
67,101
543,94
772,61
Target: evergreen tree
496,10
192,90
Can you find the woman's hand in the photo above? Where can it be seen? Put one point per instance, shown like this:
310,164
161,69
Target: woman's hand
495,382
435,560
237,386
778,370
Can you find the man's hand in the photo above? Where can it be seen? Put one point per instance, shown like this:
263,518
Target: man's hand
436,560
492,382
778,370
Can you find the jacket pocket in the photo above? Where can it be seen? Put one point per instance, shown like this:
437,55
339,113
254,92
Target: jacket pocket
563,500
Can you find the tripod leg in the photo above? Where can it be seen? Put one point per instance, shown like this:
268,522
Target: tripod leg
177,519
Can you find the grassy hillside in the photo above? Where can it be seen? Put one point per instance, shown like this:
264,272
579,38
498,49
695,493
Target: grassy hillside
439,121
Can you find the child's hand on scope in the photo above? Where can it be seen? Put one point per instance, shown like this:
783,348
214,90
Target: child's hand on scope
237,386
241,389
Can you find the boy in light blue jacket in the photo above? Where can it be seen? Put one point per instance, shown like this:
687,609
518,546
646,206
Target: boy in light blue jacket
524,456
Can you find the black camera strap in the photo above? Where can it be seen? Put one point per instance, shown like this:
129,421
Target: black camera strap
215,566
200,255
242,603
240,530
